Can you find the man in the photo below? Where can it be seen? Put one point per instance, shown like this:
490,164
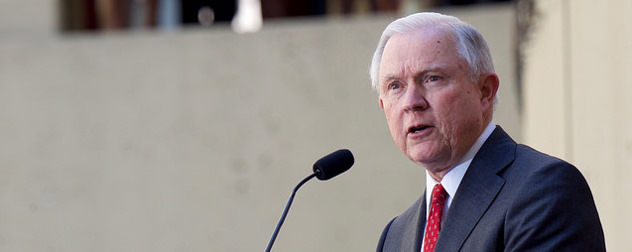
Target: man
484,192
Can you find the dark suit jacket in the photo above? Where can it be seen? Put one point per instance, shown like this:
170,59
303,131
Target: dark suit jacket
512,198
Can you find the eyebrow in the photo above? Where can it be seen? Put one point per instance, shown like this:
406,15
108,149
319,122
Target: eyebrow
389,78
422,72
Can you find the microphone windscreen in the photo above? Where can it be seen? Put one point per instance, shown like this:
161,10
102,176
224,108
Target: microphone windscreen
333,164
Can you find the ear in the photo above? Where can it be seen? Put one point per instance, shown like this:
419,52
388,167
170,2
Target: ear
489,87
381,102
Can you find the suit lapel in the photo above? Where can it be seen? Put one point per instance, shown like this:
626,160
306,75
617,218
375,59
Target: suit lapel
414,228
477,190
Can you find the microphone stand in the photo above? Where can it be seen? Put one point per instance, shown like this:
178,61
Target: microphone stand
287,209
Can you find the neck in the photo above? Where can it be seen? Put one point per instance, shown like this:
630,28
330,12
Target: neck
438,171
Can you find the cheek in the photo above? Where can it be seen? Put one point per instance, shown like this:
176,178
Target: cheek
455,111
393,118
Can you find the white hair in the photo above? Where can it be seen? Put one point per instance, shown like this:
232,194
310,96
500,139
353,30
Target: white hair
471,45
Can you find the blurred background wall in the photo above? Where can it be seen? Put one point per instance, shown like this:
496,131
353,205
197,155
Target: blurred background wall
172,132
576,91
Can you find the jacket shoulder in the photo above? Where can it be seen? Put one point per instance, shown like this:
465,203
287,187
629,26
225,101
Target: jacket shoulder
402,231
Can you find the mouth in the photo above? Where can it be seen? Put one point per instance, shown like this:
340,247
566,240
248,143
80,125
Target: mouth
417,129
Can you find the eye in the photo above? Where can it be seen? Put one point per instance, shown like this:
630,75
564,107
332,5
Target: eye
434,78
393,86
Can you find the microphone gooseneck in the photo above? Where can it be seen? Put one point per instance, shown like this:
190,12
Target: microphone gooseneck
325,168
287,209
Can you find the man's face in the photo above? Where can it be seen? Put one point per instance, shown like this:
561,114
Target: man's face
433,109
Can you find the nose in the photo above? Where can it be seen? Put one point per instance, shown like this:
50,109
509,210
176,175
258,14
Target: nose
414,99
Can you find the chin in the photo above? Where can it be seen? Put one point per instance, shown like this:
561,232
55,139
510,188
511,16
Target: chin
421,158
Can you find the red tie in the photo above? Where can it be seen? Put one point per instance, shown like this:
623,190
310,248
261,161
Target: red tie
434,218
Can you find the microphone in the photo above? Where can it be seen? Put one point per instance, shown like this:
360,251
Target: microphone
333,164
325,168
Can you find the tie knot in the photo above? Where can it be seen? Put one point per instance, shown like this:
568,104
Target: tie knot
438,194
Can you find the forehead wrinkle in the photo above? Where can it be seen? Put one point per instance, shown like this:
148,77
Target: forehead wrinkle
435,45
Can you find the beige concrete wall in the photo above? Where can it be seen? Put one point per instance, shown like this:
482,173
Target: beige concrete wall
28,18
577,106
193,140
